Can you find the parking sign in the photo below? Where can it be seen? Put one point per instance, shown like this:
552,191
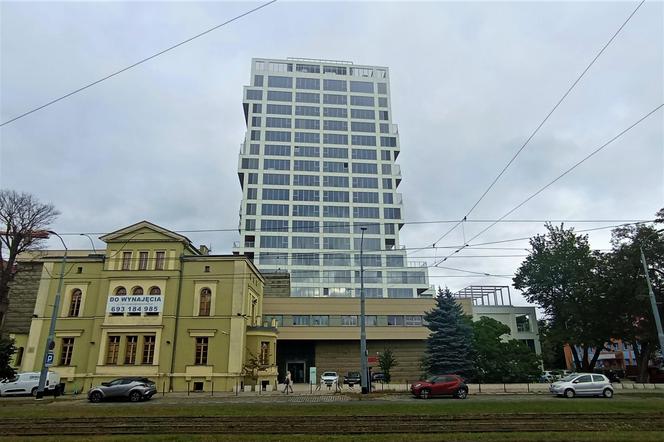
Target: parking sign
49,359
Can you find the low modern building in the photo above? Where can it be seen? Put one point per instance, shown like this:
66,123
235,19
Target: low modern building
324,333
495,301
151,304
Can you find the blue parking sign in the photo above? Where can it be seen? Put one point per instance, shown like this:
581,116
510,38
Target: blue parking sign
49,358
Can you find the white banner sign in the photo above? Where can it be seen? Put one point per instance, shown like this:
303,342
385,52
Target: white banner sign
135,304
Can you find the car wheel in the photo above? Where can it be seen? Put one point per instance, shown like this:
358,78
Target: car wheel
135,396
33,392
95,397
425,393
461,393
607,393
569,393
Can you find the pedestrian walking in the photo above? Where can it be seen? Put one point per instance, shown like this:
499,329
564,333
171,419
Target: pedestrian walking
288,382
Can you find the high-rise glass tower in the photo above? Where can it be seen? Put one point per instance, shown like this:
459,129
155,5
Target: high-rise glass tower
317,168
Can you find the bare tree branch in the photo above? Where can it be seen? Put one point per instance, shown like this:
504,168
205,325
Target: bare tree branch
23,220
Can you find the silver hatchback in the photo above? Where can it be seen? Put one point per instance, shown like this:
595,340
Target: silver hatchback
582,384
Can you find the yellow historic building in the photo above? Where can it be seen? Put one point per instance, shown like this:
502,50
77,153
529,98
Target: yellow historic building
154,305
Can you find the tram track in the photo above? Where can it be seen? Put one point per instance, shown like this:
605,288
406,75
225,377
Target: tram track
326,424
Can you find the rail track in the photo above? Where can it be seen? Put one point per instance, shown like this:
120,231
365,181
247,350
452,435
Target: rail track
324,424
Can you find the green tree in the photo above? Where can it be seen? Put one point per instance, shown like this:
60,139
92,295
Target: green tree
7,349
627,290
387,361
565,279
553,355
449,346
497,360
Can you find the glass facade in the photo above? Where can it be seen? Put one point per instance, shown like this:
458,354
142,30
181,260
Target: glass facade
321,158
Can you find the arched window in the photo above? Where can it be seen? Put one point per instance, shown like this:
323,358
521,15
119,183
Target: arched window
204,303
137,291
120,291
75,304
153,291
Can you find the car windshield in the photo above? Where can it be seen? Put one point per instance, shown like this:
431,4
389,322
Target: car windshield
329,373
569,377
433,379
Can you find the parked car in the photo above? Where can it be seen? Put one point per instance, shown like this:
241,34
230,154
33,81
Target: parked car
352,378
329,377
582,384
133,388
28,383
378,377
547,377
440,385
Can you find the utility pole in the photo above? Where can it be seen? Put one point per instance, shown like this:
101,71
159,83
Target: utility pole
653,301
50,341
364,363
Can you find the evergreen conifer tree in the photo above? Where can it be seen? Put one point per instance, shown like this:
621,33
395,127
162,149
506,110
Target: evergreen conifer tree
449,347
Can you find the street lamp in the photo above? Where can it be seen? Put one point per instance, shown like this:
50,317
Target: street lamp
91,242
50,341
364,363
653,301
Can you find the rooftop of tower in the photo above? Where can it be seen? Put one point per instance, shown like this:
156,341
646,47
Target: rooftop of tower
317,66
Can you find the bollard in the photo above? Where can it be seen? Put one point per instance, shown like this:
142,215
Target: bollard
163,389
187,388
236,387
504,387
528,385
212,392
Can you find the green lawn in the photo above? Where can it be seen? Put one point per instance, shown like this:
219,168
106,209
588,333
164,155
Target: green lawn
509,404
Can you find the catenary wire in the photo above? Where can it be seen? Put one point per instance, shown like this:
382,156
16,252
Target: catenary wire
342,224
136,64
574,166
518,152
470,246
333,252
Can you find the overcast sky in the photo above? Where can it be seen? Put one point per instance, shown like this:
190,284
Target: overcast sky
469,83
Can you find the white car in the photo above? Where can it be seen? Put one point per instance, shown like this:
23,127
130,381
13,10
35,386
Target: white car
329,378
582,384
27,383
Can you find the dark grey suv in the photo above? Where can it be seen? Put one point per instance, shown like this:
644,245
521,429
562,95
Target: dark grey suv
133,388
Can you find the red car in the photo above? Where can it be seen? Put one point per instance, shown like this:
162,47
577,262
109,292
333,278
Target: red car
440,385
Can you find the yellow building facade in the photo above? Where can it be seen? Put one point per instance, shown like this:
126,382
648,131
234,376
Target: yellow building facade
153,305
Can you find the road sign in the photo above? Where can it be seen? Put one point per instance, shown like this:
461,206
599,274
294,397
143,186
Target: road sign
372,359
49,359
